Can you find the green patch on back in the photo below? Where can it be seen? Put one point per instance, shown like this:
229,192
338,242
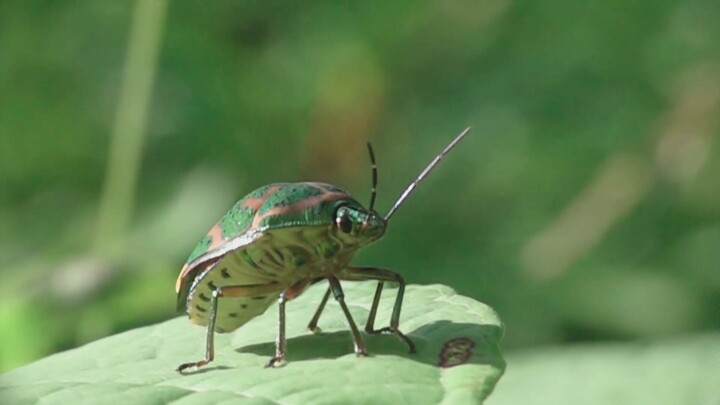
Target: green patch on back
200,248
236,221
288,195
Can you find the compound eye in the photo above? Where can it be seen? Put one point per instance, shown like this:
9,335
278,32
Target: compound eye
344,223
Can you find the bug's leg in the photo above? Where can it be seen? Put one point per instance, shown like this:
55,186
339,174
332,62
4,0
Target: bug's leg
290,293
370,324
381,275
280,342
360,349
225,291
312,326
210,341
296,289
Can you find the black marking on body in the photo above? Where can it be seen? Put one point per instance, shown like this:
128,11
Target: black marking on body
259,297
199,308
249,260
233,315
326,249
280,255
266,265
243,306
204,297
270,256
224,273
300,256
212,286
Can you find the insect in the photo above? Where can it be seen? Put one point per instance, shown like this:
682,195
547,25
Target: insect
273,244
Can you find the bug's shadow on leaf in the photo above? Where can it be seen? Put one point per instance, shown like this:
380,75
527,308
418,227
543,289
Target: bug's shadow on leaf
324,345
442,343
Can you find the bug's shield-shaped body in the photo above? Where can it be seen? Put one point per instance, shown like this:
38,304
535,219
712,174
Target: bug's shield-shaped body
282,234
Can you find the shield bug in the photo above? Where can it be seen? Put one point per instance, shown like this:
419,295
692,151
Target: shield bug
274,243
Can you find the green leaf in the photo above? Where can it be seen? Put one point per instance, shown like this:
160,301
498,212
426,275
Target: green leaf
138,366
678,371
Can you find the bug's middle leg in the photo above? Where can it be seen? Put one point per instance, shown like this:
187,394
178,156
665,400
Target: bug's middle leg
312,326
360,348
288,294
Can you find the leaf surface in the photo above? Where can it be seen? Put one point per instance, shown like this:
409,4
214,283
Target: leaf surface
458,359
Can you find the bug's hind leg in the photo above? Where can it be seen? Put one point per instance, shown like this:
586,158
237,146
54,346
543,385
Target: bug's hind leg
381,275
225,291
210,339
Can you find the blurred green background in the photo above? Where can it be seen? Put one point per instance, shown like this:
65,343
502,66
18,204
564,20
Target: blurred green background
584,205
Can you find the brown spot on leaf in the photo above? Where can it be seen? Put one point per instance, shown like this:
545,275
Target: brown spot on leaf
456,352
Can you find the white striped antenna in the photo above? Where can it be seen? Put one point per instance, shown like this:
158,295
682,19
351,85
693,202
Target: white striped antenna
425,172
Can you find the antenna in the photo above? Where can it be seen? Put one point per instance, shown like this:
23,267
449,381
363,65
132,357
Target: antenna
424,173
373,192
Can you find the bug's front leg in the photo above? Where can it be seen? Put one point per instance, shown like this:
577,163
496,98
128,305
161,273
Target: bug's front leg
381,275
225,291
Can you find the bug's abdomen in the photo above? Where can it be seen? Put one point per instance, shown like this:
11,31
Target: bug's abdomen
232,312
281,258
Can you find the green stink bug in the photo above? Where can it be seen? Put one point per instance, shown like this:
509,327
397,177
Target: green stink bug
277,241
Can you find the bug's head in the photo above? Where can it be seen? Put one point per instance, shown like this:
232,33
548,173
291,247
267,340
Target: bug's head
356,225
